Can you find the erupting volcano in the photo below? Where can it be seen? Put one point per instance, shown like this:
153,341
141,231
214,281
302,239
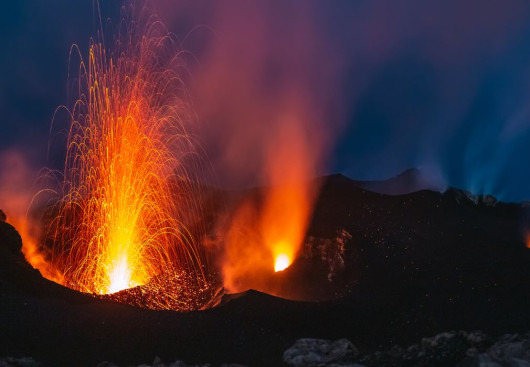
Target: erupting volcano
125,193
198,207
128,210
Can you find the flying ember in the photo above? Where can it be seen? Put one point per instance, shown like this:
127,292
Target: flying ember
129,212
125,189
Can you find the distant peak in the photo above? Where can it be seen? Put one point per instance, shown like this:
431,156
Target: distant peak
338,176
410,180
410,172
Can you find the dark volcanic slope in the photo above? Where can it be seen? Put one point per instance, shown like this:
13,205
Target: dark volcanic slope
425,239
424,235
415,265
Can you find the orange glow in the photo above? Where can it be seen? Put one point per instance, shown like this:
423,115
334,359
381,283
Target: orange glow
120,219
118,215
267,232
33,254
16,194
282,262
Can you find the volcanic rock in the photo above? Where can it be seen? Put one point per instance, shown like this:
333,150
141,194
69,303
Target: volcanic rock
463,196
319,352
510,350
451,348
443,349
18,362
454,348
3,216
9,238
176,290
13,265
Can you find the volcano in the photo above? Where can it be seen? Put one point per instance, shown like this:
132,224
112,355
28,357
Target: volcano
377,269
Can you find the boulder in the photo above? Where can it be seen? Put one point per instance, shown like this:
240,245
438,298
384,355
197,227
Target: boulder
444,349
510,350
320,352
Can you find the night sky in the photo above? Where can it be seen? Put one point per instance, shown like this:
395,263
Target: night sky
439,85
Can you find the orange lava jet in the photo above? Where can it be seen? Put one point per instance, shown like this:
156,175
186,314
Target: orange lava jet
125,185
267,231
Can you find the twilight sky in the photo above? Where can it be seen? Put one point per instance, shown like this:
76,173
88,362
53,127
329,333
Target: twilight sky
389,85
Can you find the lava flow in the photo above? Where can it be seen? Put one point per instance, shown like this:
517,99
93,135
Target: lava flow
120,219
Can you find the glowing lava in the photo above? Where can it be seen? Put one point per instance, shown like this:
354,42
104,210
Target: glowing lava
267,231
120,275
282,262
120,220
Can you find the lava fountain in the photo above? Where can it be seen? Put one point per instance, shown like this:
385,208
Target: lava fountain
120,221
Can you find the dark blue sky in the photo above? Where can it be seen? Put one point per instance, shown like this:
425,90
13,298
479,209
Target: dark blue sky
440,85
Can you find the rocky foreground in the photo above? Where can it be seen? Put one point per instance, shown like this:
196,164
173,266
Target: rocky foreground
455,348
